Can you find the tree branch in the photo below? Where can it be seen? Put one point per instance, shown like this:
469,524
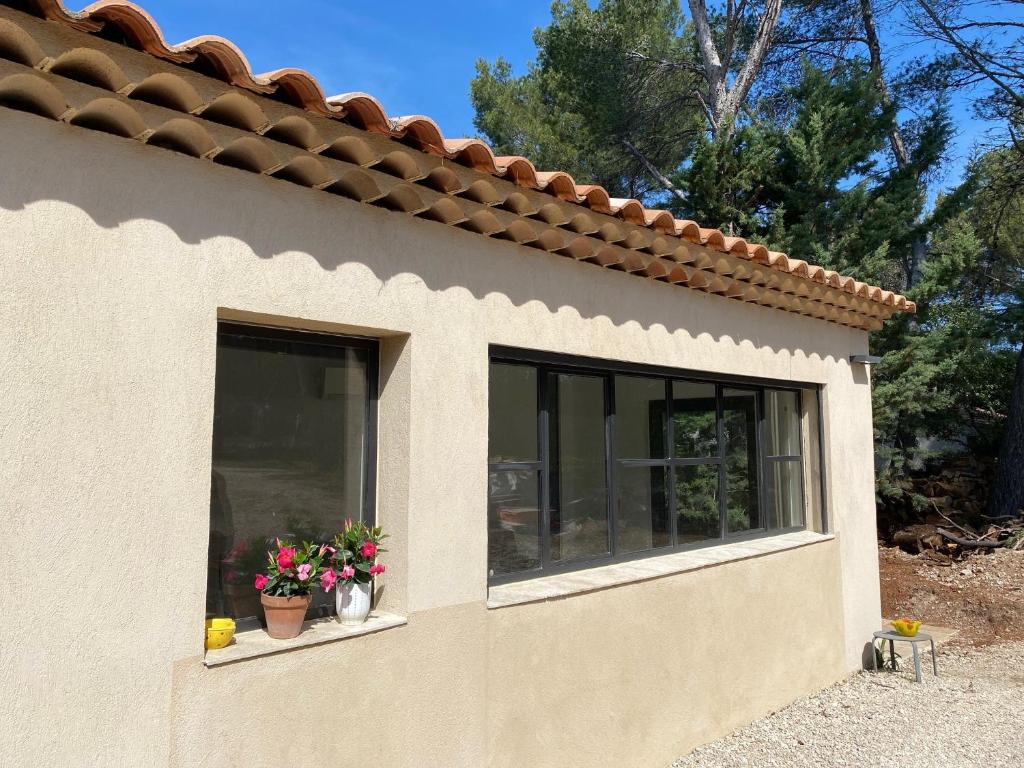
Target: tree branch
724,102
899,147
755,57
709,56
661,178
969,53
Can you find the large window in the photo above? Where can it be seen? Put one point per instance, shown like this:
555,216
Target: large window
293,448
589,464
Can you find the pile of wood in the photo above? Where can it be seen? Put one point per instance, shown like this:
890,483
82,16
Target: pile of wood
944,517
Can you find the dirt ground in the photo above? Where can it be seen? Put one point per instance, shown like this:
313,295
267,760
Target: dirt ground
881,719
981,596
967,717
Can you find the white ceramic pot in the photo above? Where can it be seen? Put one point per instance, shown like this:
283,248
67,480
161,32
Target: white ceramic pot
352,602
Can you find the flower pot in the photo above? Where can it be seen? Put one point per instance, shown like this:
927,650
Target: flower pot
219,633
243,600
284,615
352,602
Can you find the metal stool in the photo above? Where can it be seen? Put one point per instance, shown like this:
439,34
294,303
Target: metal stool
891,636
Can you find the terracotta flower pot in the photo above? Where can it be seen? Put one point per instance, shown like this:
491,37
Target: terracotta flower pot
244,601
284,615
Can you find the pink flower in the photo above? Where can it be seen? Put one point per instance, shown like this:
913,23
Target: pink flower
261,581
376,568
285,558
369,549
304,570
328,579
324,548
348,523
347,573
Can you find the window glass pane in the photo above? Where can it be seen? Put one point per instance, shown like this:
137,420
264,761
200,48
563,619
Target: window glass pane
697,503
785,502
289,456
782,422
639,418
513,520
512,413
740,428
642,509
693,428
579,499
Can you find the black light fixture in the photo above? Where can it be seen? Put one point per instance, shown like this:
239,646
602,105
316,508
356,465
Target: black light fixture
865,359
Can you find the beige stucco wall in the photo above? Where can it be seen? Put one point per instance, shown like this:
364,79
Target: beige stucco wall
117,259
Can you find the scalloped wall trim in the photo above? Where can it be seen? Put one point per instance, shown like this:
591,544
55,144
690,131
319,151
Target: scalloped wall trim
348,145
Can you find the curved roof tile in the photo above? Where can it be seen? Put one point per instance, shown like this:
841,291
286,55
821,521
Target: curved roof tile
301,89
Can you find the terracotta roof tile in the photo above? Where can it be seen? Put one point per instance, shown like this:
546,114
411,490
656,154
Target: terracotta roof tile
238,131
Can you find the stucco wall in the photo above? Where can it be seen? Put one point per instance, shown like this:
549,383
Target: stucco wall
117,259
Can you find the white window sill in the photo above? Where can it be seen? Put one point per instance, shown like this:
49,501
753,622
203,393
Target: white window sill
592,579
256,642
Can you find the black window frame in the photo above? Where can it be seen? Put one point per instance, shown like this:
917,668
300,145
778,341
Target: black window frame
548,363
322,338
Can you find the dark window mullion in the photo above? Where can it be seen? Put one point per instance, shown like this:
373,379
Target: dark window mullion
545,464
720,434
512,466
801,468
761,449
670,478
695,462
609,459
370,438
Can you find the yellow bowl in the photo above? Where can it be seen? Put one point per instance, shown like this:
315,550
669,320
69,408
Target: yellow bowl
219,632
906,627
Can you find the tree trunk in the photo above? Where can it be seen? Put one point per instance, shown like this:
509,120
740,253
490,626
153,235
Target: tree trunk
723,102
899,147
1007,496
896,142
657,175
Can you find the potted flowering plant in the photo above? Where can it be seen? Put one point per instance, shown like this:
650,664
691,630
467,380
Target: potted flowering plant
354,565
286,586
245,559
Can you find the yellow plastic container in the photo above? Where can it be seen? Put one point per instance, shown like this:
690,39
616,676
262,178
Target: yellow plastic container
906,627
219,633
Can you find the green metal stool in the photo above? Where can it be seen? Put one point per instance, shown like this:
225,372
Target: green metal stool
892,636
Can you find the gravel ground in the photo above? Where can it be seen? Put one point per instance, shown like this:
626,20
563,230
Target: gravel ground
969,716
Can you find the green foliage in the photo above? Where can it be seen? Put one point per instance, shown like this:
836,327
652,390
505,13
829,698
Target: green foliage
726,177
355,552
811,169
620,73
292,570
948,373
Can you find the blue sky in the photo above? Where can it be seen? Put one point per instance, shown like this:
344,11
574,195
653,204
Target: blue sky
415,57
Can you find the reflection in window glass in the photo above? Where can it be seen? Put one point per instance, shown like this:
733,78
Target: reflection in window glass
642,520
512,413
785,497
667,461
740,430
782,422
694,430
697,503
579,499
639,418
289,455
513,520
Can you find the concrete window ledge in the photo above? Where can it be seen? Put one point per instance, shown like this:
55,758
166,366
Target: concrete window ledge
255,643
592,579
